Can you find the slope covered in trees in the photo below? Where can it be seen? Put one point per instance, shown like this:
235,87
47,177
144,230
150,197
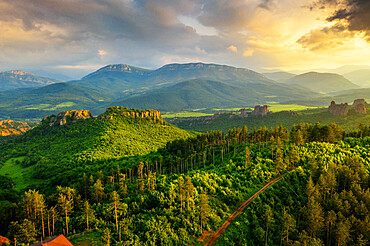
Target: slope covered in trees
200,93
59,149
173,195
50,99
322,82
10,80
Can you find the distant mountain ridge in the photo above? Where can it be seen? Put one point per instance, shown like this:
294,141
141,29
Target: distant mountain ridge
279,76
322,82
15,79
117,68
122,79
38,102
360,77
201,93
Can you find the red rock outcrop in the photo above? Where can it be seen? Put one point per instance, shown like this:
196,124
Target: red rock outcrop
69,116
11,127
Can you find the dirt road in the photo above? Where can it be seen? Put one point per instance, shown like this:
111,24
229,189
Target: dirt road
223,228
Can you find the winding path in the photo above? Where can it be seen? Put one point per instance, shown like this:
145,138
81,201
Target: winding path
223,228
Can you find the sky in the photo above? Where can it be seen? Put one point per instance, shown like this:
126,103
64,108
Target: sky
75,37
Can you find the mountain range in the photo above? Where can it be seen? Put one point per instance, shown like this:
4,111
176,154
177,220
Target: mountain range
18,79
173,87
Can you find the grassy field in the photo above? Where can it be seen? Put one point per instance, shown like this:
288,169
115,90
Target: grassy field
275,107
20,175
226,121
184,114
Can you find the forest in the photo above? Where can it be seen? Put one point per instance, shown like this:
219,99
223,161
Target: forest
113,192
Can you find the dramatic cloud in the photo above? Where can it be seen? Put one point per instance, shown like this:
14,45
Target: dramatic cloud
76,36
326,38
351,19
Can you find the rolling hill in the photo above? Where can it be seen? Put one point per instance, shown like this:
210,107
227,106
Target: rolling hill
200,93
115,79
360,77
339,97
50,99
123,80
279,76
82,139
322,82
18,79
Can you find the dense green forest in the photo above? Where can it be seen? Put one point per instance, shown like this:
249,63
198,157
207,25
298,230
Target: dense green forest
98,189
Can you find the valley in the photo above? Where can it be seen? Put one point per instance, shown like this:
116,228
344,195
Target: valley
182,151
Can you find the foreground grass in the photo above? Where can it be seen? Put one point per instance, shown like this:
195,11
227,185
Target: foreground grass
21,175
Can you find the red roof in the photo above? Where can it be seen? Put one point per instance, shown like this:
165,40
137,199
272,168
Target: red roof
55,241
4,240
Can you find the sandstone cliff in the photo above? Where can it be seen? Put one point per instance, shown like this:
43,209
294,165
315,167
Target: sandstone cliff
359,105
260,110
338,109
65,117
11,127
113,111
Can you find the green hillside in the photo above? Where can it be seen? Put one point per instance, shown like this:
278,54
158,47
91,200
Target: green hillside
50,99
18,79
123,80
322,82
115,79
359,77
279,76
347,96
174,73
196,94
117,133
191,186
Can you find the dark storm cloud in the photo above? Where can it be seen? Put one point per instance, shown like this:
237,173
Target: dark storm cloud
349,18
355,13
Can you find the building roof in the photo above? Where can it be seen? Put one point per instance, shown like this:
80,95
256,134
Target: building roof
4,240
60,240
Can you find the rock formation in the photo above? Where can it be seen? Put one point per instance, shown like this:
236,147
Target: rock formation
69,116
260,110
11,127
338,109
243,113
359,105
135,113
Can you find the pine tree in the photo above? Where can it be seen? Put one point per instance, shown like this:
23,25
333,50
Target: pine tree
98,190
247,157
269,220
288,225
65,202
89,213
204,210
189,189
106,237
182,191
116,205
